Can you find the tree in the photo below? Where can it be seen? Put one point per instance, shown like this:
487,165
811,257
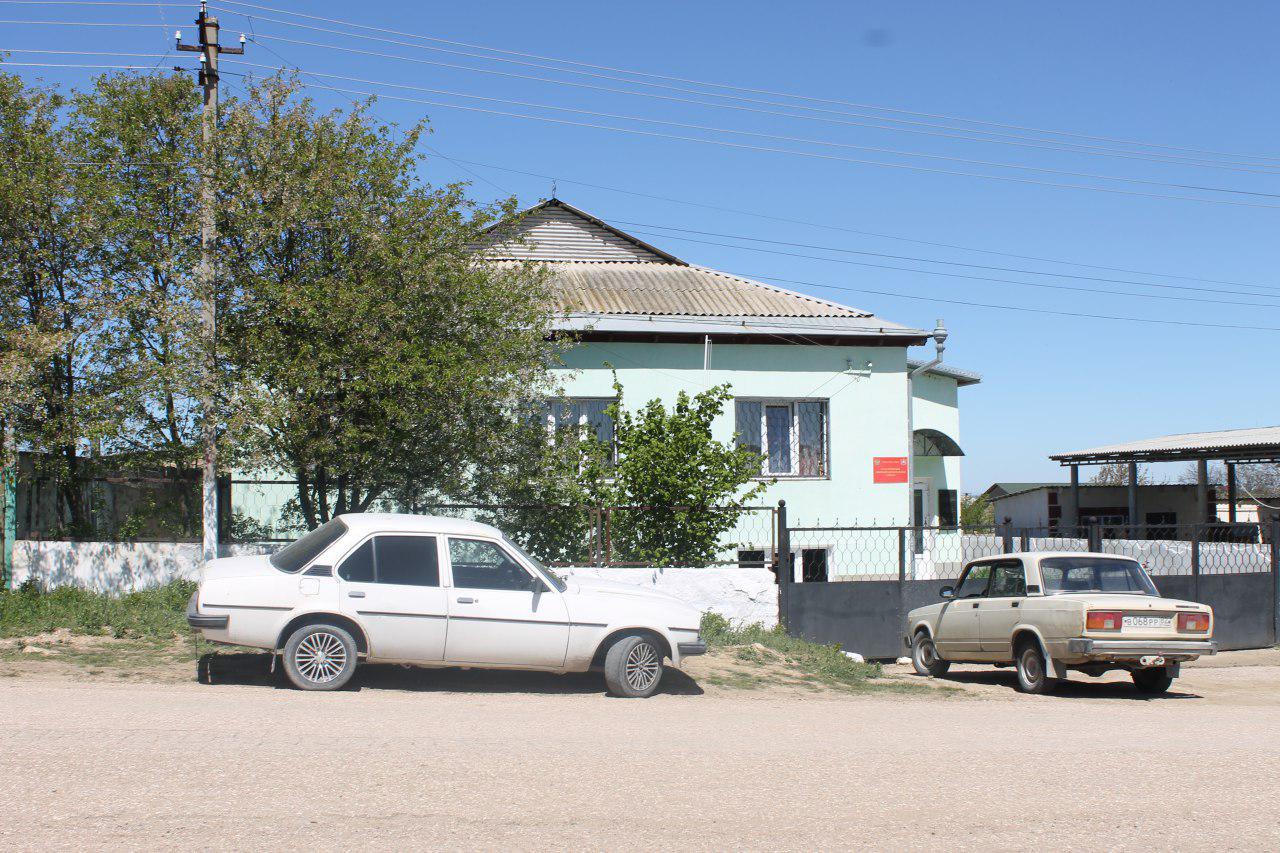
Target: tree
51,297
976,512
1263,480
1117,474
381,361
684,485
141,132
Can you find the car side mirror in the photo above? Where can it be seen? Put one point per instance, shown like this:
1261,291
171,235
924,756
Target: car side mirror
947,592
536,585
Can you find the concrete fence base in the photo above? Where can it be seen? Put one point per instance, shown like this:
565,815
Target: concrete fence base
741,595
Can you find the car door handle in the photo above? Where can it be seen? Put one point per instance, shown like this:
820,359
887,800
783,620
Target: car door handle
1014,603
975,605
466,599
355,593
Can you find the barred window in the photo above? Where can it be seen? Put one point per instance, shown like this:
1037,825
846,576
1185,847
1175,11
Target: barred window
790,434
575,417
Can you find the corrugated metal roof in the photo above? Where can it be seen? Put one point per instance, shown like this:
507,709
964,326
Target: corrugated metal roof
799,328
1256,438
556,231
649,288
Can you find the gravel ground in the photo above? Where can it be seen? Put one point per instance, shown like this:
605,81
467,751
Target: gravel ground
483,760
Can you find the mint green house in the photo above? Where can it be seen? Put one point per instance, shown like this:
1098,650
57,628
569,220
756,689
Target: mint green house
820,389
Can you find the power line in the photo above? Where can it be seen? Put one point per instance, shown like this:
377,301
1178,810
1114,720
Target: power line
1040,285
809,154
82,52
703,83
1165,159
92,3
777,137
75,65
1022,308
85,24
1051,145
950,263
876,234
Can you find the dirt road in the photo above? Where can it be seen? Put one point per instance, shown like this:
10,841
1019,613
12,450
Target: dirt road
525,762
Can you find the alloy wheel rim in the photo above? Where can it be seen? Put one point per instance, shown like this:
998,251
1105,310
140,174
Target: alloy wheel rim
320,657
642,667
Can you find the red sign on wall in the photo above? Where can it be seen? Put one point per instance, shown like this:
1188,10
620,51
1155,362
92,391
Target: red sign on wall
889,469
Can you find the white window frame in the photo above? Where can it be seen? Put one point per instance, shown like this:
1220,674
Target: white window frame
583,422
792,404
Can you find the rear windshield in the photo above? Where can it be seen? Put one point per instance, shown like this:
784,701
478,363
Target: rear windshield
292,557
1064,575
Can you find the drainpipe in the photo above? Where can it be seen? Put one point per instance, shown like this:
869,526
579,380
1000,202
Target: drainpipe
939,342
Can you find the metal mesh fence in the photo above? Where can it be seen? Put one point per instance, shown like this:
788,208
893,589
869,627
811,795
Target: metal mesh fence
108,508
940,553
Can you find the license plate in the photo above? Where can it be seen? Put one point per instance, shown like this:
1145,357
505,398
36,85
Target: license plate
1147,622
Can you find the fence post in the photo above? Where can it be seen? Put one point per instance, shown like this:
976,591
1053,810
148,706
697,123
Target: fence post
1195,562
1024,541
1095,538
1006,539
902,555
9,529
782,558
1275,577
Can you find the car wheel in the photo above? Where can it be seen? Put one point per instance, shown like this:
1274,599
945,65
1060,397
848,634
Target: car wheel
1033,670
1152,680
633,666
924,657
320,657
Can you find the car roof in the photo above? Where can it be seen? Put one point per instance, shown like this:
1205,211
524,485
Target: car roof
1037,555
366,522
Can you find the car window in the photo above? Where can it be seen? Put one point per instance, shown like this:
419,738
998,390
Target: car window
403,560
478,564
974,583
1064,575
292,557
1008,579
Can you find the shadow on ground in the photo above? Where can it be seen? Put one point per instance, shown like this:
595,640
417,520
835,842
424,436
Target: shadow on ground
254,670
1071,688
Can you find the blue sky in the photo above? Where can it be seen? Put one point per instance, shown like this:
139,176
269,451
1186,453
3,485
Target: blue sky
1180,74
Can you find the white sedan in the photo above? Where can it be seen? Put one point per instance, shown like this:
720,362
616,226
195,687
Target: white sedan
436,592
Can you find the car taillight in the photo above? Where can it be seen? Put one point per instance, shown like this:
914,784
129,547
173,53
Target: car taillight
1193,623
1102,620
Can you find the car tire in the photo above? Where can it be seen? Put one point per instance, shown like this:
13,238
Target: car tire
924,657
320,657
1153,680
633,666
1033,670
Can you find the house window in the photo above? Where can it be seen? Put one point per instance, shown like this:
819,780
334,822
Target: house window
574,417
791,435
948,508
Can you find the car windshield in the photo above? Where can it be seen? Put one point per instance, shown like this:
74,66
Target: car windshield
556,580
1066,575
294,556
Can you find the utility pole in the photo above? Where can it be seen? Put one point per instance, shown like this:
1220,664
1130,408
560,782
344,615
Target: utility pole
209,50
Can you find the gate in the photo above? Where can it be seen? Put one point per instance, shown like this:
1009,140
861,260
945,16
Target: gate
874,576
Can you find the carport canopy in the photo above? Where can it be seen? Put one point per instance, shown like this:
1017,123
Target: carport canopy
1257,445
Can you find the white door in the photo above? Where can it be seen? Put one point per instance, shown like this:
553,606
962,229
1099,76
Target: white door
923,518
499,612
390,584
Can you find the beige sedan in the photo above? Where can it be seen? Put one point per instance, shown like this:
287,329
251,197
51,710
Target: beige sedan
1048,613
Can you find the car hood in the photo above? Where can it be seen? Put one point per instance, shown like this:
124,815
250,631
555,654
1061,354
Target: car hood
237,567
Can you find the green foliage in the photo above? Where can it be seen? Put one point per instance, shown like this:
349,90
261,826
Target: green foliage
155,613
379,360
683,486
976,512
827,664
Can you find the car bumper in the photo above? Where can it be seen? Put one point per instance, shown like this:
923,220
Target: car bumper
1124,649
196,619
690,649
